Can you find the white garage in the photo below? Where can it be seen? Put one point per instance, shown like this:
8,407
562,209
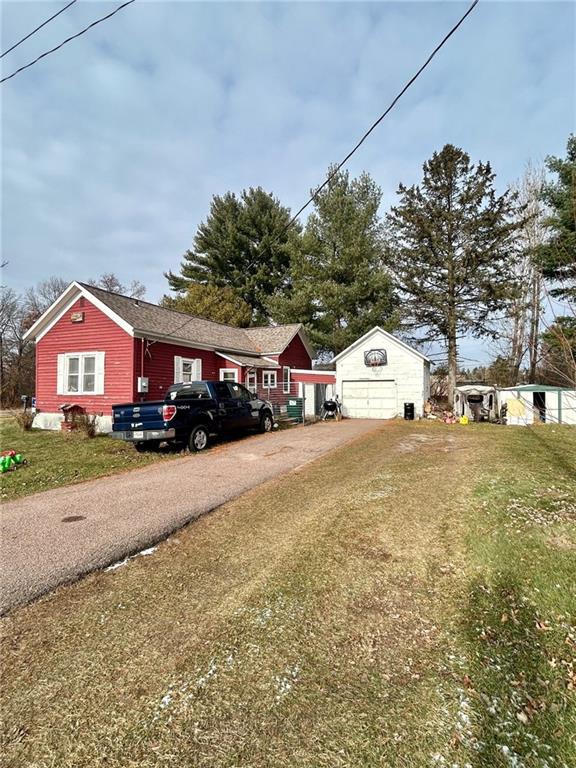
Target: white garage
378,374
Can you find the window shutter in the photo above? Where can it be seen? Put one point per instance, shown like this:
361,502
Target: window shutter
198,369
60,388
177,369
99,378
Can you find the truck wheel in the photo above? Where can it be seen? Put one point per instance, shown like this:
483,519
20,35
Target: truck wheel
198,438
266,422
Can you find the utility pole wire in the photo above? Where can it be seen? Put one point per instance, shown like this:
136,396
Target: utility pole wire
362,140
379,120
73,37
37,28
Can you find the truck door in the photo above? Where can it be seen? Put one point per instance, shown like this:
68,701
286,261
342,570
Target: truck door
229,408
243,400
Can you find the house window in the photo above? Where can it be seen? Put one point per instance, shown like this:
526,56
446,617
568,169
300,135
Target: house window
286,379
81,373
228,374
269,379
251,381
186,370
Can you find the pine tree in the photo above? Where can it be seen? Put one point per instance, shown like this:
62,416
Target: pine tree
244,244
558,257
222,305
338,285
450,240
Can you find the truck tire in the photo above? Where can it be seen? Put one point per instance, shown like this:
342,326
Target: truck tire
198,438
266,422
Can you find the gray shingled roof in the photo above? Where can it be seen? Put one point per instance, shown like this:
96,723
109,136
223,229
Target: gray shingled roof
274,338
149,318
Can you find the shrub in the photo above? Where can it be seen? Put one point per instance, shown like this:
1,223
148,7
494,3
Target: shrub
86,423
24,419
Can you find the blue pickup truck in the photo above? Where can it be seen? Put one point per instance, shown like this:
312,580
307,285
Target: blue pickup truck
191,414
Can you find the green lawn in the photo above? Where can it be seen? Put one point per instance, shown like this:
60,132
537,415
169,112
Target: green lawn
57,458
405,601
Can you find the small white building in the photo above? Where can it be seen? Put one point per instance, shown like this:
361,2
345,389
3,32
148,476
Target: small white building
378,374
538,403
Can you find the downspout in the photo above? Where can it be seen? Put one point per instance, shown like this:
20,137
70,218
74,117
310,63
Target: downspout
559,406
141,365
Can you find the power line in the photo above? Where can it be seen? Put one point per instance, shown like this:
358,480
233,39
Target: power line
382,116
37,28
73,37
365,136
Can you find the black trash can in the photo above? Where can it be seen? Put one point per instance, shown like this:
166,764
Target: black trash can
409,411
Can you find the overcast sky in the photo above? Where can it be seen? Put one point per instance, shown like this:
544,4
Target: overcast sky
113,146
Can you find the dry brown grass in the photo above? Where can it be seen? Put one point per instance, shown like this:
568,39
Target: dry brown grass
309,623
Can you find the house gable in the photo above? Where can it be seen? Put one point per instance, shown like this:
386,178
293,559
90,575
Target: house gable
64,304
83,329
378,334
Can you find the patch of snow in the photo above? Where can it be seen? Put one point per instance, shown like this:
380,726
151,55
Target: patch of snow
286,681
146,552
165,701
203,679
120,563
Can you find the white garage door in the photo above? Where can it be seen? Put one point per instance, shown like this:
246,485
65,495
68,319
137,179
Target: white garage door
369,399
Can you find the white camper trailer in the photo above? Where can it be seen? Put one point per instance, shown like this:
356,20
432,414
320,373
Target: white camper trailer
477,401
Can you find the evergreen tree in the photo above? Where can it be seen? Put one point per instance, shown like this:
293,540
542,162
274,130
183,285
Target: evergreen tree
338,285
244,244
222,305
558,364
450,240
559,255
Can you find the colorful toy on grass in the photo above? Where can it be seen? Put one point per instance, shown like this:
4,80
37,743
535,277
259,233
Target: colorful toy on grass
10,460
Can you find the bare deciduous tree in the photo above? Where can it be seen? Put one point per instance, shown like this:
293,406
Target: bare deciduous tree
520,331
110,282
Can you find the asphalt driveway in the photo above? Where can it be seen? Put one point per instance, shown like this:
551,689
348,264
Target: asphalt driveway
55,537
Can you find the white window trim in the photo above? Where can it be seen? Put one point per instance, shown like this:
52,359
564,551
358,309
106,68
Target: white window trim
229,370
252,380
284,390
179,364
269,374
63,374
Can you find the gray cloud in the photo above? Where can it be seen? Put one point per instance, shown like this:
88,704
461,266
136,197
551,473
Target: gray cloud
114,146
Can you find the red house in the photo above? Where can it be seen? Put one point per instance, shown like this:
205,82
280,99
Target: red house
95,348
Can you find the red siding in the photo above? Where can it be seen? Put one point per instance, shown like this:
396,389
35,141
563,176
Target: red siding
295,355
96,334
159,366
228,365
315,378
